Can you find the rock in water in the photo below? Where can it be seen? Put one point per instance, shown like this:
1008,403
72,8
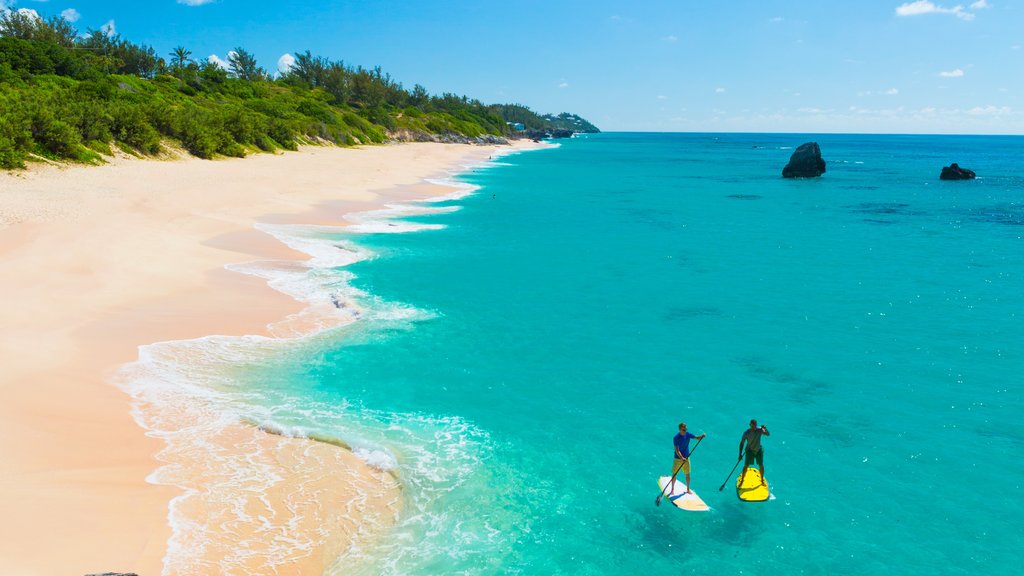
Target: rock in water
805,162
954,172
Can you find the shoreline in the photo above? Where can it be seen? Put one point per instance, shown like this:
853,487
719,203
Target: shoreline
87,297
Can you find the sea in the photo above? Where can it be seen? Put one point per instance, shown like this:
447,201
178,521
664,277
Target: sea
521,351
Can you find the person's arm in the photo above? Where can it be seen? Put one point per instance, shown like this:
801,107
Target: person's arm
702,436
764,430
743,440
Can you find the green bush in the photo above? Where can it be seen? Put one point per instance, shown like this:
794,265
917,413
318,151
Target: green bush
11,156
131,126
59,89
59,138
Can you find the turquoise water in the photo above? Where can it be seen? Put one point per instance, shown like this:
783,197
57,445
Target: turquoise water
524,364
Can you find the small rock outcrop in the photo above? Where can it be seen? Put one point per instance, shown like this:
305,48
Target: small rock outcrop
955,172
805,162
445,138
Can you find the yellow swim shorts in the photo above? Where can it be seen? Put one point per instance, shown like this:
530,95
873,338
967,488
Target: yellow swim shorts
683,464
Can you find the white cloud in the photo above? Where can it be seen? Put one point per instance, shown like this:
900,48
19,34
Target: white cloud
989,111
952,73
109,29
29,12
194,2
71,15
285,63
776,19
892,92
719,90
926,7
671,38
563,84
214,59
662,97
979,5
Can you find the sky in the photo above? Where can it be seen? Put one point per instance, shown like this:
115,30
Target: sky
876,66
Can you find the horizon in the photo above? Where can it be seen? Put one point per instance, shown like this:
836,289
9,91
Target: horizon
883,67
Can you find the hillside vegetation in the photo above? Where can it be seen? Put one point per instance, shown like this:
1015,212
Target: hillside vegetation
68,96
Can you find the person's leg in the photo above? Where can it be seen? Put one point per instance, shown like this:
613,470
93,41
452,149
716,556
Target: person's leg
760,466
677,464
748,459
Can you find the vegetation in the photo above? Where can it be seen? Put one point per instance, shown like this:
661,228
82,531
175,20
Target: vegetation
517,113
69,96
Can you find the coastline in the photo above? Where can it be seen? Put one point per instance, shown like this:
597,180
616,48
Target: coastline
105,259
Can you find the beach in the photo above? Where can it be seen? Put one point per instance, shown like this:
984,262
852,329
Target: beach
98,261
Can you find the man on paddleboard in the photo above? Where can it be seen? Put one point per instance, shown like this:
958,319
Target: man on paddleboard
682,455
752,438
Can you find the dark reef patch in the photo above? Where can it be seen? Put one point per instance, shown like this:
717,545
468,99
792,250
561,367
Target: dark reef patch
688,312
1006,214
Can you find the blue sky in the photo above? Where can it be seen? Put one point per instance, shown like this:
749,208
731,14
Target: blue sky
717,65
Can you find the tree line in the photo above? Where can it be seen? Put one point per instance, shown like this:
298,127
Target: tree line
67,95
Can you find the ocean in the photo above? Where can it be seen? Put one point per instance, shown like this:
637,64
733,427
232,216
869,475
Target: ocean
524,349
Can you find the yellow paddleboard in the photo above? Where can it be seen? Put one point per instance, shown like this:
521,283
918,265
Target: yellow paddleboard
689,502
752,490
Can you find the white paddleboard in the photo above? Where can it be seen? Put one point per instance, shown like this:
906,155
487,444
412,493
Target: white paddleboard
689,502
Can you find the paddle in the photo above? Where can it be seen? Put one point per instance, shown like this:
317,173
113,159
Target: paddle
657,501
720,488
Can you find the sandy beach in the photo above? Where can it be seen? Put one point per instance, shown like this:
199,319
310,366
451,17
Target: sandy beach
97,261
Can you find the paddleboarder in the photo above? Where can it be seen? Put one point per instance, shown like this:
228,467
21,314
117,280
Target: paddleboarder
754,453
681,460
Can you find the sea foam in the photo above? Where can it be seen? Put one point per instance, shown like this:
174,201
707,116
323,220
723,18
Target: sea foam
210,398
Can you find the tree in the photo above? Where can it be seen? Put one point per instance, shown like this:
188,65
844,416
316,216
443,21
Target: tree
27,25
242,65
311,70
18,24
181,59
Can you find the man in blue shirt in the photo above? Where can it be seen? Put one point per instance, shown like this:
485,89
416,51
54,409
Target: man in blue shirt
681,460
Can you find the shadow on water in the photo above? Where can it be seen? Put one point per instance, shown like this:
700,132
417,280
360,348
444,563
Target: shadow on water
833,428
744,196
652,217
1008,214
884,208
678,313
801,388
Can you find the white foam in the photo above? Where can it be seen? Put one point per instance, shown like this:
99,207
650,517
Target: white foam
379,459
459,190
190,392
386,220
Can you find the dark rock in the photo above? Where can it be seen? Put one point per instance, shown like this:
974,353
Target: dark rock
805,162
954,172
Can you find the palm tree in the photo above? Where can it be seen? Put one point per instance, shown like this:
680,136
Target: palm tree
182,58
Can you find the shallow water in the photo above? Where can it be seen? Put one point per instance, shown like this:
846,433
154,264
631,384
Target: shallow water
522,361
